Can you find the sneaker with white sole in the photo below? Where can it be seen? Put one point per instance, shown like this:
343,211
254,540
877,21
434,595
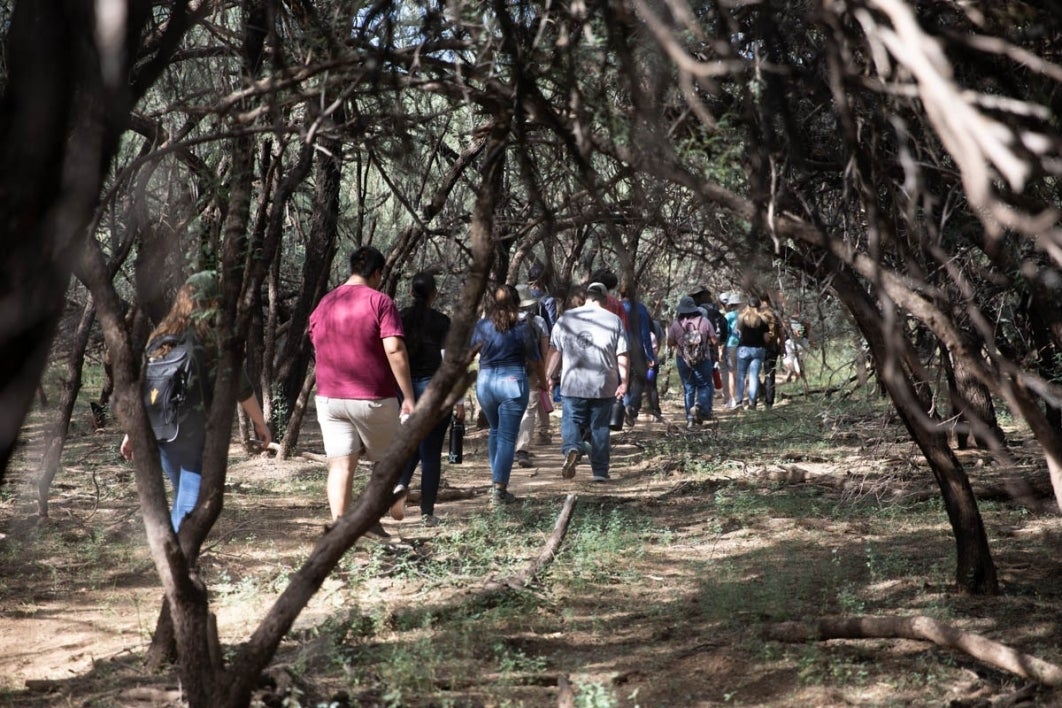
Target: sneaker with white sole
570,461
600,480
398,502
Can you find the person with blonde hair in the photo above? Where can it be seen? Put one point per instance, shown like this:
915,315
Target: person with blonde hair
193,318
508,346
753,328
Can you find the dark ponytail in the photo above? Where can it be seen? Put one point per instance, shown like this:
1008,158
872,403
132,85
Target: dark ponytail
423,288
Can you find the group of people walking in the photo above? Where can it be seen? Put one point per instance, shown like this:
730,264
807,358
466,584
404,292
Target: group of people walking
374,362
728,348
529,353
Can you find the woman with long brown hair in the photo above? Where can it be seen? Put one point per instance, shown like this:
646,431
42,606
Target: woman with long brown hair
508,347
192,318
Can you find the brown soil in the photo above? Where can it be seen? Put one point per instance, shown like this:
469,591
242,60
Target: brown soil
79,595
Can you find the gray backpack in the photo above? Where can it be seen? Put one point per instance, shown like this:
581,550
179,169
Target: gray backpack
172,384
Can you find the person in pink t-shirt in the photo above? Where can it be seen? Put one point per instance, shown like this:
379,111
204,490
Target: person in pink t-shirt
362,365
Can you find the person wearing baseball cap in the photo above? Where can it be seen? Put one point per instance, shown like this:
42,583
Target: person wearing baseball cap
729,346
536,415
588,347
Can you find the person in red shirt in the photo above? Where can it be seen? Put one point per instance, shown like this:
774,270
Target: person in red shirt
362,364
612,303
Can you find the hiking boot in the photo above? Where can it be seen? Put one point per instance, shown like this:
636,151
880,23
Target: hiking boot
523,458
629,416
502,496
570,461
398,502
695,415
429,520
544,439
599,479
690,424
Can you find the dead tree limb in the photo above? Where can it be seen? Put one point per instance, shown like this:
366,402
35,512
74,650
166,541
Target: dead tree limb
523,579
985,650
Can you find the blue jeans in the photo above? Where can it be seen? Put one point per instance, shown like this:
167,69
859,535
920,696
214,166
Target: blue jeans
592,413
502,394
749,362
429,455
182,461
697,386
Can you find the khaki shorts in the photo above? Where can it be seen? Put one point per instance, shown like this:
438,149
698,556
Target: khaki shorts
357,427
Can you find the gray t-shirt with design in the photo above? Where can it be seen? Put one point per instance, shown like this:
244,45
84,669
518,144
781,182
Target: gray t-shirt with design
590,340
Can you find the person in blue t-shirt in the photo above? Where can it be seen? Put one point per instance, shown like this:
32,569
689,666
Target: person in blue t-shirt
547,304
508,347
640,333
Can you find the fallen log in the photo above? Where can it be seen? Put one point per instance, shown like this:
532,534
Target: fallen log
493,588
981,648
524,578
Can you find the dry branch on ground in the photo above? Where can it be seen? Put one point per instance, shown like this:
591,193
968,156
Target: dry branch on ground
524,578
981,648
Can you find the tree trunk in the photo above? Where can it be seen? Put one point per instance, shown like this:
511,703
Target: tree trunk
972,407
975,570
291,433
294,357
55,439
34,115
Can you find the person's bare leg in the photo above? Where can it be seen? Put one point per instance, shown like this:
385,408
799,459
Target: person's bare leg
340,479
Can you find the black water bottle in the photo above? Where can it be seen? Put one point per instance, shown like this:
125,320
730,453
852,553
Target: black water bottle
457,441
615,416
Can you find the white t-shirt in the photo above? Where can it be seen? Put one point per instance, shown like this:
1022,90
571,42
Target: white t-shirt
590,340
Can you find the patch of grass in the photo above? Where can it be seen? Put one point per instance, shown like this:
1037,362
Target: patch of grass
604,542
594,695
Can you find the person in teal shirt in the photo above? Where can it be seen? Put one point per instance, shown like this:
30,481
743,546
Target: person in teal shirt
732,301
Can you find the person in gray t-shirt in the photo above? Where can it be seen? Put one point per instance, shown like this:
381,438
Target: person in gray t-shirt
589,346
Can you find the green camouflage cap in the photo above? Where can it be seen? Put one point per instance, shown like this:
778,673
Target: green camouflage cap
205,283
